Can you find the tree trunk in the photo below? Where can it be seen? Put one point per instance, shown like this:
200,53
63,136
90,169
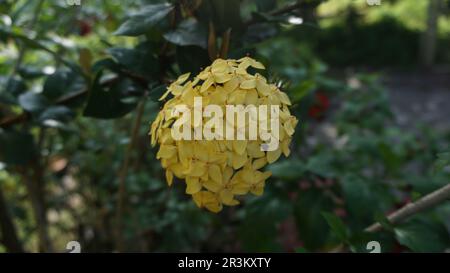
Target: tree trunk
35,188
429,38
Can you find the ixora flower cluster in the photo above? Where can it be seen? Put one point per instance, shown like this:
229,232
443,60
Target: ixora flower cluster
217,170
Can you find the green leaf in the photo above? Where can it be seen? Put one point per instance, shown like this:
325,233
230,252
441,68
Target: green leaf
188,32
224,15
266,5
360,199
59,113
287,169
192,58
15,86
30,72
321,164
142,21
257,33
303,89
337,226
11,88
139,60
311,225
358,241
61,83
107,102
157,92
391,160
106,63
268,211
33,102
423,235
16,148
442,162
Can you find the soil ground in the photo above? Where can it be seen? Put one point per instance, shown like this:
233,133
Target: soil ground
418,97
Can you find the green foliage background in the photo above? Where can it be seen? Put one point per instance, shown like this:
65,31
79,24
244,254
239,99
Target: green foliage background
75,80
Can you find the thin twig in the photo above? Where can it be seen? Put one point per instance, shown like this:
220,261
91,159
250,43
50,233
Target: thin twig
428,201
121,196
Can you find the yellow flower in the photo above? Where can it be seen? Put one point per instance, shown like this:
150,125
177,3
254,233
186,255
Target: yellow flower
218,170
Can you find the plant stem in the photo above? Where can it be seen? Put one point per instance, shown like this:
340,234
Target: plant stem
122,192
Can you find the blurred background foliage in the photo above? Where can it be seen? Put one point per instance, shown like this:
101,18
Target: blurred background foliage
79,87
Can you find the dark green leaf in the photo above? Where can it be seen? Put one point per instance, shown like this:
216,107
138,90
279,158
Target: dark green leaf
391,160
192,58
260,32
266,5
360,198
268,211
11,88
107,63
29,72
287,169
321,164
59,113
142,21
140,60
337,226
61,83
303,89
311,225
16,148
107,102
224,15
33,102
422,235
442,162
157,92
188,32
15,86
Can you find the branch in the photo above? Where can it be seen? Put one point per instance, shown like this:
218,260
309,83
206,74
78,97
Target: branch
424,203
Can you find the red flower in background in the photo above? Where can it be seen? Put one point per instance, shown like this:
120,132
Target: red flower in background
320,105
84,27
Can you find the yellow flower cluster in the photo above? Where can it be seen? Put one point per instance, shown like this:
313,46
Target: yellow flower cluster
216,171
